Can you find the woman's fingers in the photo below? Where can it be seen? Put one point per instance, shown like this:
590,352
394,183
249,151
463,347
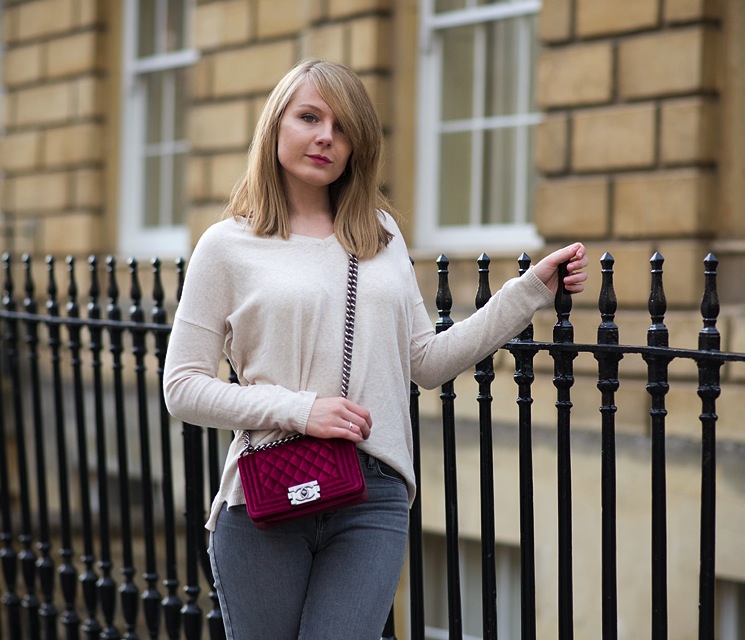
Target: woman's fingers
360,426
575,257
338,418
574,282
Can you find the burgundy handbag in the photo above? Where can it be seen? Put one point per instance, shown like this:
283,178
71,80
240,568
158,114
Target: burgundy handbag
300,475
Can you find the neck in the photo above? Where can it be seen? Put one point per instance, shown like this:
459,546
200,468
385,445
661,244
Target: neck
310,212
318,224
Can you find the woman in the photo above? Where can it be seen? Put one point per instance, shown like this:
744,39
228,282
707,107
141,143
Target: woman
267,288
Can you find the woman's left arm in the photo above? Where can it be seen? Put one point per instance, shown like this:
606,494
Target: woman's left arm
437,358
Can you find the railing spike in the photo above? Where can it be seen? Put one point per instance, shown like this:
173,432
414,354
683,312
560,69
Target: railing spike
709,390
67,571
8,283
105,586
608,385
657,301
159,312
563,380
484,376
135,293
52,304
563,303
88,578
607,302
8,556
72,288
710,301
150,596
180,272
524,377
112,290
483,292
94,290
444,298
657,387
444,301
29,286
523,262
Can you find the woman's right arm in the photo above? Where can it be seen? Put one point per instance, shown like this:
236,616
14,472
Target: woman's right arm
194,393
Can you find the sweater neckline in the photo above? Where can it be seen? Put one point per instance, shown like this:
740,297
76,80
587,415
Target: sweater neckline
327,241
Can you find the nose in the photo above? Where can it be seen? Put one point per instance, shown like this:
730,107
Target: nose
325,134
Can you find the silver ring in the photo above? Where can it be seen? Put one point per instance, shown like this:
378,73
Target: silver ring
351,425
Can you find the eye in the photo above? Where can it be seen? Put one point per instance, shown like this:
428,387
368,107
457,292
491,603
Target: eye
338,127
308,117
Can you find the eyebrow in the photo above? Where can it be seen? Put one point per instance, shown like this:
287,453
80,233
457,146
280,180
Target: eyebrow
314,107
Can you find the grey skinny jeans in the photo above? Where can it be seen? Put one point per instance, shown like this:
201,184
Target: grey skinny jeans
328,577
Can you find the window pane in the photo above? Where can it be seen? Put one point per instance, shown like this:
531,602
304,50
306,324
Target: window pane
146,30
180,99
530,23
449,5
176,17
457,73
499,176
154,108
531,174
179,189
455,178
442,6
151,184
504,151
502,69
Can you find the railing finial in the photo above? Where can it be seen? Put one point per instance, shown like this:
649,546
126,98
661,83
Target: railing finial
444,298
657,301
483,292
607,302
709,335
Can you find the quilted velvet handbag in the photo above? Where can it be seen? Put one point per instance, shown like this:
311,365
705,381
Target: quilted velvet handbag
300,475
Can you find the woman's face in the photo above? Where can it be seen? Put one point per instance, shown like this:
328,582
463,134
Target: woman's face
311,146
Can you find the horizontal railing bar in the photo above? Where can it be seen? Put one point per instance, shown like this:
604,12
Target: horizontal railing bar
574,347
667,352
102,323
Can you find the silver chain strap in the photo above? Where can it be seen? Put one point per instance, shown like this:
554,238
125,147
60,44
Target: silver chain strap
346,368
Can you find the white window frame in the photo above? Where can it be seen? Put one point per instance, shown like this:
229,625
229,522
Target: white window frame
522,233
135,239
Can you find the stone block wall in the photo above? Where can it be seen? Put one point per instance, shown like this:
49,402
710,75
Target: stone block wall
53,147
629,152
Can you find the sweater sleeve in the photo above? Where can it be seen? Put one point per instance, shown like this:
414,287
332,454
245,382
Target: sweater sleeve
195,394
193,391
437,358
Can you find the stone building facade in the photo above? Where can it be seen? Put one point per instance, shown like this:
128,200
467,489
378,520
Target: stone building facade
638,147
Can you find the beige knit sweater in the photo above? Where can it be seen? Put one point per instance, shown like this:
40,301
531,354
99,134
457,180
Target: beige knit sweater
275,308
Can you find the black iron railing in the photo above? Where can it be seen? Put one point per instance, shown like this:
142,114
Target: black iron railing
94,487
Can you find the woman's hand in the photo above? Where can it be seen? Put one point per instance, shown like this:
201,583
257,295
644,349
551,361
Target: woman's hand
338,418
548,268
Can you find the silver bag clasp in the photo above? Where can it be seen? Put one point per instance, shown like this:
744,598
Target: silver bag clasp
306,492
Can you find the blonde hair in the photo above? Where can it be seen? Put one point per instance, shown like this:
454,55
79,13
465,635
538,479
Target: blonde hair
355,197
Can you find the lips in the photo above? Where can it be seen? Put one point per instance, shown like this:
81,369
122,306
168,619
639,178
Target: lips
319,159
